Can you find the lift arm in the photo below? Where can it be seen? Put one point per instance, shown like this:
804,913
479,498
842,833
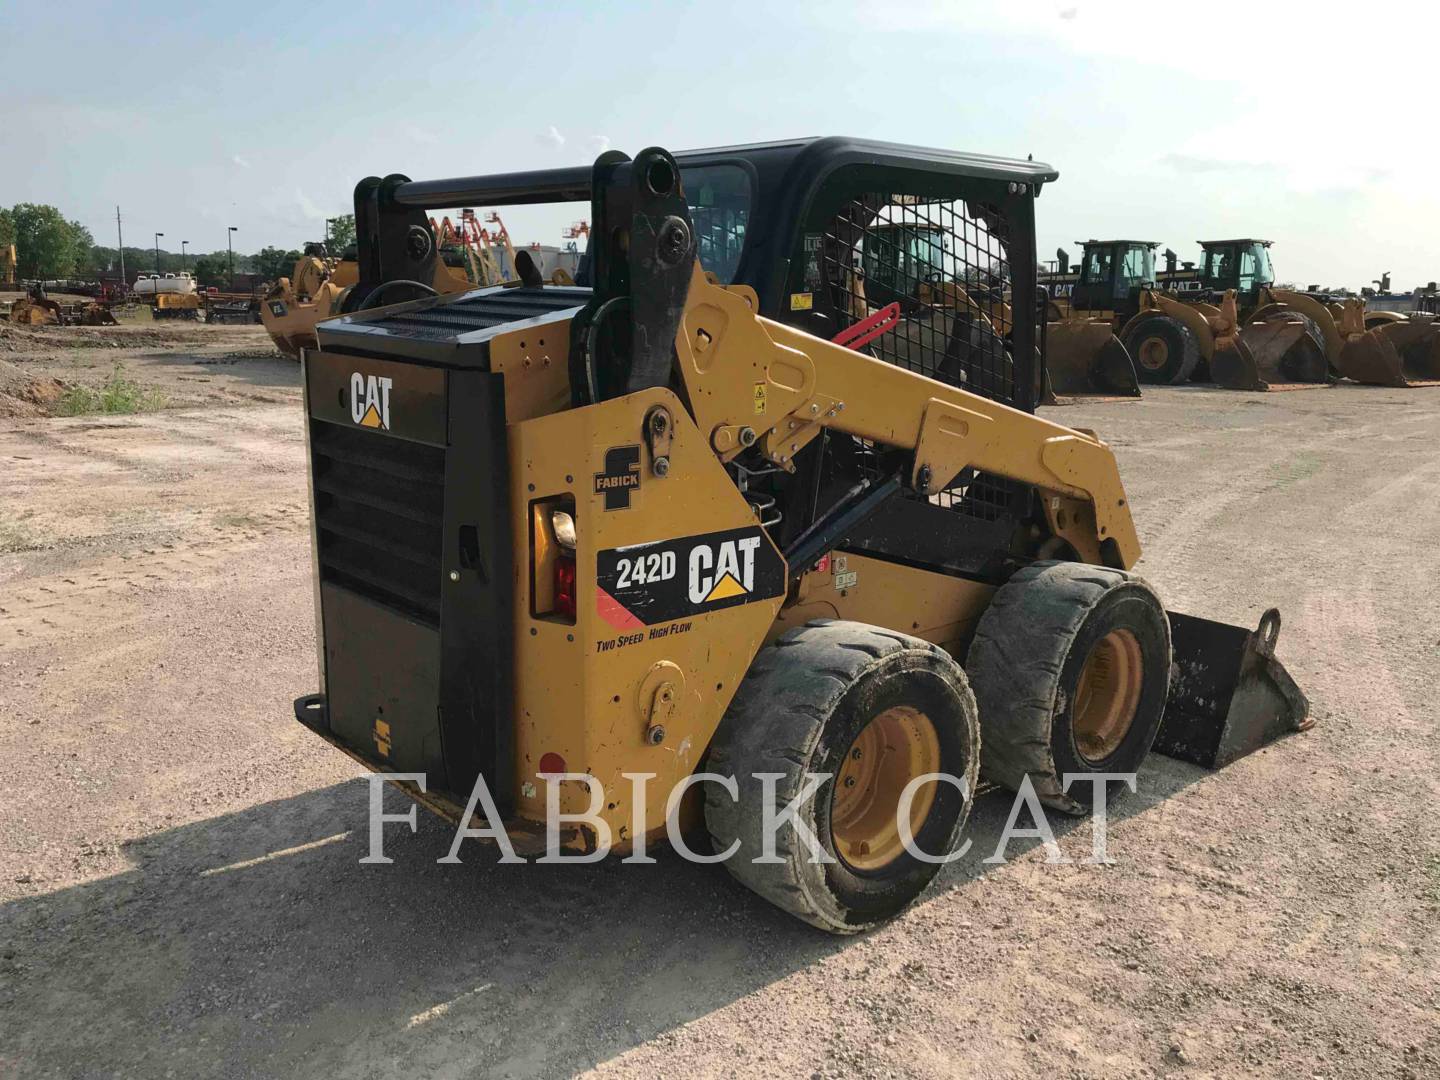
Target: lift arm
751,380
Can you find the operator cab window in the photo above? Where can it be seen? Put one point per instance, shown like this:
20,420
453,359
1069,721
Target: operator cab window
1098,262
719,201
1220,268
1138,268
1248,267
1264,275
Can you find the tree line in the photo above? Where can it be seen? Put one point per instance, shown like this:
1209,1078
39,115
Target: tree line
48,246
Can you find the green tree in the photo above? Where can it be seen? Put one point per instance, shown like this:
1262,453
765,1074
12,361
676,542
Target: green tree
85,264
273,262
214,270
7,228
342,234
46,245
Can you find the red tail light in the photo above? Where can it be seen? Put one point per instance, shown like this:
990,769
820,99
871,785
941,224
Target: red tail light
565,586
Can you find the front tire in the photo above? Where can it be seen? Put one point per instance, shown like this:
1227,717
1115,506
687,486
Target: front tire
869,709
1164,351
1071,669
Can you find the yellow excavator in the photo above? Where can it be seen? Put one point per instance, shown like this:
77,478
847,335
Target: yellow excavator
8,263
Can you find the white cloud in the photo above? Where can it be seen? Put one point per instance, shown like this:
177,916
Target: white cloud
1069,13
598,144
552,137
307,205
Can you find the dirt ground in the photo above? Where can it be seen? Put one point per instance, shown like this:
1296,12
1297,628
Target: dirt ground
179,887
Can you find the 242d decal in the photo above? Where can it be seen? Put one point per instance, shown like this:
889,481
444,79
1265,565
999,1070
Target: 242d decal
648,584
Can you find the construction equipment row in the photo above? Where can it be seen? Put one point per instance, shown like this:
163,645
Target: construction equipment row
1115,322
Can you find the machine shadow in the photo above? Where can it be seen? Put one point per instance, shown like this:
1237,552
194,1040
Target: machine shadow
257,943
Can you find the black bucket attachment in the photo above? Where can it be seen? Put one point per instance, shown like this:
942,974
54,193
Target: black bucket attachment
1229,696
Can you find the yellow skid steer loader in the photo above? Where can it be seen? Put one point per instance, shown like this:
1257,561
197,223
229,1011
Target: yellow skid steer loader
659,524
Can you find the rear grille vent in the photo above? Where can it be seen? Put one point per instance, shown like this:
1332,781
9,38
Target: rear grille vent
480,311
379,516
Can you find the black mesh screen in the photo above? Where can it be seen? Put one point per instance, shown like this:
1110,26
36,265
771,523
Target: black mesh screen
945,264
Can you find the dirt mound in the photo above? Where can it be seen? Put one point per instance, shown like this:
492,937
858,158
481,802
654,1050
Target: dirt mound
15,338
24,395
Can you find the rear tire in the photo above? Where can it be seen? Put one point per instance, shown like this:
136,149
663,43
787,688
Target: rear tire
1071,670
833,697
1164,351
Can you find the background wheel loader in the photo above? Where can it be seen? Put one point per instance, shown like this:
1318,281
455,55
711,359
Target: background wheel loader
639,525
1287,336
1083,354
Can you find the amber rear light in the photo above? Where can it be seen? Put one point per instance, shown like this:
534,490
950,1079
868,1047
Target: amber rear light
552,559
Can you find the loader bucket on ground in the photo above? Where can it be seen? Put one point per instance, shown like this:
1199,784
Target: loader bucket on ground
1085,357
1229,696
1393,354
1233,367
1371,359
1275,350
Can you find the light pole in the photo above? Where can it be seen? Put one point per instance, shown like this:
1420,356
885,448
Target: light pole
231,249
183,264
157,255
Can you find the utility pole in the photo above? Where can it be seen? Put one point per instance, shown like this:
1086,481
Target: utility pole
120,239
157,257
231,249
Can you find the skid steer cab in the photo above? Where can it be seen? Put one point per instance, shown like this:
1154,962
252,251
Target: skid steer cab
761,497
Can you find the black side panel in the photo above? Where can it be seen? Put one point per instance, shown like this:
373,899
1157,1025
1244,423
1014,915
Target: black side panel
378,513
382,670
476,633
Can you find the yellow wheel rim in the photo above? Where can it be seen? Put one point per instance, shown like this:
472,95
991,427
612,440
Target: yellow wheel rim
1107,695
1153,353
892,748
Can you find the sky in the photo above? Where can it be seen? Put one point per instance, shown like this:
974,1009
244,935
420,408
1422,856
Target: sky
1302,123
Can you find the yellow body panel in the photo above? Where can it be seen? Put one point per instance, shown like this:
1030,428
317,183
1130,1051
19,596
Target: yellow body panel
929,605
580,688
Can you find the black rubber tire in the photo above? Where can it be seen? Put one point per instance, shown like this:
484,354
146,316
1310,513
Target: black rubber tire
1180,342
798,710
1025,662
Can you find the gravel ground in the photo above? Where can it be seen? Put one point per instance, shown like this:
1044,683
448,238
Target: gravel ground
179,886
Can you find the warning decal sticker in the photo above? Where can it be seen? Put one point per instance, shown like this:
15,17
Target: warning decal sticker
670,579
